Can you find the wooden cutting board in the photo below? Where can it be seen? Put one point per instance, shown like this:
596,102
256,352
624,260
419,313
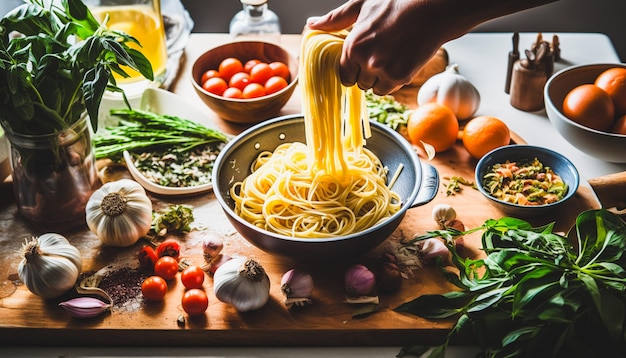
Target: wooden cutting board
327,321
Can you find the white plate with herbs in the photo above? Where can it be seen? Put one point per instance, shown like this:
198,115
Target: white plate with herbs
168,145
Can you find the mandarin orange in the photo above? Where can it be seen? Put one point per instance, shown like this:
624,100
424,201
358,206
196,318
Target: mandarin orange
619,126
590,106
482,134
613,82
433,124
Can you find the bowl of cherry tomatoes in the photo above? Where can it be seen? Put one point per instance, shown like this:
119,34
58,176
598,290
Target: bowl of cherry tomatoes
587,106
245,81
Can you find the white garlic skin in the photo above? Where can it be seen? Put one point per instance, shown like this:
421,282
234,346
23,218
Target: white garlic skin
233,284
442,213
50,266
126,228
296,284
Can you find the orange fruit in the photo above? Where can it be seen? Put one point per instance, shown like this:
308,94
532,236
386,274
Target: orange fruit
613,82
433,124
619,126
590,106
482,134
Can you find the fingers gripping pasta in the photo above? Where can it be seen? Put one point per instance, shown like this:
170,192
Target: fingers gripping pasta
332,185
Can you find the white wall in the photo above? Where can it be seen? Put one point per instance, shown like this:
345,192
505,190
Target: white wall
604,16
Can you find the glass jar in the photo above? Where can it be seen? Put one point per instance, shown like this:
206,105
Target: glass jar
255,22
54,175
141,19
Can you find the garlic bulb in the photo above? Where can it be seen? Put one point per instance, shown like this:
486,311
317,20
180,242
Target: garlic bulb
119,213
50,265
452,90
442,214
243,283
359,281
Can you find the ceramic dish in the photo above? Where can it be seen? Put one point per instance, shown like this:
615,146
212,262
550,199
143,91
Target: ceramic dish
520,153
165,102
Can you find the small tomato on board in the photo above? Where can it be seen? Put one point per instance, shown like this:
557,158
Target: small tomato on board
154,288
195,302
169,247
147,257
166,267
192,277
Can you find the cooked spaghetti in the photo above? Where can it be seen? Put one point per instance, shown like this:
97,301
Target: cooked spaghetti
331,186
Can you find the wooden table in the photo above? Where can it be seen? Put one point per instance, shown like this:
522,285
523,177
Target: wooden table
327,322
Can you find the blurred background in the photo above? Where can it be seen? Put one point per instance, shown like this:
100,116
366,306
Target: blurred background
602,16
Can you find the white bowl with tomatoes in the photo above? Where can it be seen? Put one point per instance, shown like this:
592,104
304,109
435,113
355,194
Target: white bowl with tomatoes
245,81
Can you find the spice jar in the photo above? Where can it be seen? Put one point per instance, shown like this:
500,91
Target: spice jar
527,82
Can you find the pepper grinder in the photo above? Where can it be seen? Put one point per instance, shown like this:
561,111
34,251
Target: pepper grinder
513,56
527,81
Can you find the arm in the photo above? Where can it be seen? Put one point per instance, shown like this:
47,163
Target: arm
391,40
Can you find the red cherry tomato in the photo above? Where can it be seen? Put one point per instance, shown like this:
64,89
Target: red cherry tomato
147,257
249,64
166,267
233,92
192,277
228,67
239,80
260,73
280,69
209,74
275,84
195,302
215,85
154,288
169,247
254,90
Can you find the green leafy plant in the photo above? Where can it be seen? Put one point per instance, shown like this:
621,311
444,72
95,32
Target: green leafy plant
536,293
56,62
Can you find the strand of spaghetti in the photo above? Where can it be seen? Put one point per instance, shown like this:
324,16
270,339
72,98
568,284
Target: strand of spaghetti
332,185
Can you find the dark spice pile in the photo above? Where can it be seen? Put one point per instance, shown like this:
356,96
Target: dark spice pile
124,287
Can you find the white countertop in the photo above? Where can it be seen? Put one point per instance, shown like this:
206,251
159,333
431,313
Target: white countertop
482,58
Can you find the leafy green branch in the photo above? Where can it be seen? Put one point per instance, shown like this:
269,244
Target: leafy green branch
536,293
56,62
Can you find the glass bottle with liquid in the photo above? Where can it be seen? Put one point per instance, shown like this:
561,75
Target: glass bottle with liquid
141,19
255,22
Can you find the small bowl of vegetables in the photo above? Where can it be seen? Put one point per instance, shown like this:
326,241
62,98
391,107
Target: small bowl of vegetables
526,180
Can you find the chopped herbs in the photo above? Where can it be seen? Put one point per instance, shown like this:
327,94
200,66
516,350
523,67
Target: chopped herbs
386,110
524,183
454,184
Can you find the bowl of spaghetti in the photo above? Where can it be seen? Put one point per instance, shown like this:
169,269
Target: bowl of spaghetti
276,220
526,180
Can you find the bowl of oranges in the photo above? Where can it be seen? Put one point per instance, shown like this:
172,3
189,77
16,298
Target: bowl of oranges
245,81
587,106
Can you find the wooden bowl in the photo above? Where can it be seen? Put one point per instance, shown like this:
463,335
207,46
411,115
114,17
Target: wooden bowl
245,111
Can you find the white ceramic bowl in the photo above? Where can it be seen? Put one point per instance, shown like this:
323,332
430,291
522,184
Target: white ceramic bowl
609,147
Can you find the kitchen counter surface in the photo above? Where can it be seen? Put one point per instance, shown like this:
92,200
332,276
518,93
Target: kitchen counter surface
482,58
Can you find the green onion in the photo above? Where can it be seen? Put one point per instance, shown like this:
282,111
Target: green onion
140,131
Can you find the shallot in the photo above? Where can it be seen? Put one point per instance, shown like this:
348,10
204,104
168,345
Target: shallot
85,307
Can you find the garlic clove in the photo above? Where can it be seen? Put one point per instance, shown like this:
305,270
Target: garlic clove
296,284
212,246
442,214
359,281
85,307
432,248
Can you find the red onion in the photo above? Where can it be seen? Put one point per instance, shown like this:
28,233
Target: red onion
359,281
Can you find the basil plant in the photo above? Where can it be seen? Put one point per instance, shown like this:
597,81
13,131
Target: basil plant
56,62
